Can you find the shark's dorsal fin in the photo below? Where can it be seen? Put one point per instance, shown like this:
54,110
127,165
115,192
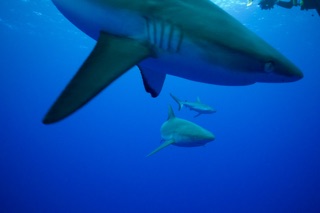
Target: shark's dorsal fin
111,57
163,145
152,81
170,113
198,100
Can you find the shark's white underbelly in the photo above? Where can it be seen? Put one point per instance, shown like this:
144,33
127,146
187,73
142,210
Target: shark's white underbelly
190,63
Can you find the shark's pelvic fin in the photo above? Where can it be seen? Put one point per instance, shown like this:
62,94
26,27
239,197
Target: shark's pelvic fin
163,145
111,57
152,81
177,100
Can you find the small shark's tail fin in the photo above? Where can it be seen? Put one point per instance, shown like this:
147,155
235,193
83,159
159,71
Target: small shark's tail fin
179,102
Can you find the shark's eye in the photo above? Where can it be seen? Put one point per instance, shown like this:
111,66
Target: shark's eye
269,67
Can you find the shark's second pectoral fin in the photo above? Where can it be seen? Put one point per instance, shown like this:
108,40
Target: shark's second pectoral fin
152,81
111,57
197,115
163,145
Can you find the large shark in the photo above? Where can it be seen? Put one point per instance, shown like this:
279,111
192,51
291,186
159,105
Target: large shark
180,132
197,106
192,39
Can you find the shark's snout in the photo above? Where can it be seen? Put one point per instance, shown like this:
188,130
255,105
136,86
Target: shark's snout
208,137
279,71
296,75
289,72
282,69
211,110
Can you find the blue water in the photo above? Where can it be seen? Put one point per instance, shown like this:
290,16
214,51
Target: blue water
266,156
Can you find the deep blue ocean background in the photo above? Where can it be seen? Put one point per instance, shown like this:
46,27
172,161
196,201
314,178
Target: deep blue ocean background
266,156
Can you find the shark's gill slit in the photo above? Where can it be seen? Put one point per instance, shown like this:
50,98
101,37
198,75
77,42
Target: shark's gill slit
179,41
148,29
162,27
169,46
151,31
175,39
164,35
155,32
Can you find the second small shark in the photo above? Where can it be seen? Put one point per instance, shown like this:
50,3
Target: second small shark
179,132
197,106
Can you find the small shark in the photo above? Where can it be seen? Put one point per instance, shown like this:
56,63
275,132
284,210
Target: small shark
192,39
180,132
195,106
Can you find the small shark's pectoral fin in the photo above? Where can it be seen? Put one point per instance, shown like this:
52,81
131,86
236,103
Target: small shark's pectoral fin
163,145
111,57
152,81
197,114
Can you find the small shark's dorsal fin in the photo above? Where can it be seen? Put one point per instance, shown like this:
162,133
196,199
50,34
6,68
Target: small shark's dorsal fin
170,113
152,81
111,57
163,145
198,100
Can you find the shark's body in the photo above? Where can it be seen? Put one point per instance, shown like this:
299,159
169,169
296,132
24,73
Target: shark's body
197,106
180,132
192,39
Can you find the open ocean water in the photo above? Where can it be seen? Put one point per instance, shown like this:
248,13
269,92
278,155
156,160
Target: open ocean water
266,156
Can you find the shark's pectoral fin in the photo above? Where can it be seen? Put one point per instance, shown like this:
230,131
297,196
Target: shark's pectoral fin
152,81
163,145
111,57
197,115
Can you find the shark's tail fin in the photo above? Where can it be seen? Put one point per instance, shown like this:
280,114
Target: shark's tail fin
179,102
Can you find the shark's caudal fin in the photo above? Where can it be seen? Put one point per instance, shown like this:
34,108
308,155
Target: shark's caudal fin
152,81
111,57
163,145
177,100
